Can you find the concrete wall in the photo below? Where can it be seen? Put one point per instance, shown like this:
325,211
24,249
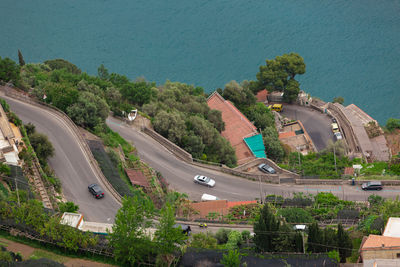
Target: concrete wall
176,150
380,254
23,96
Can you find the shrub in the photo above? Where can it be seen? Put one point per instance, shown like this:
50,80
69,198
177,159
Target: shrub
392,124
222,235
295,215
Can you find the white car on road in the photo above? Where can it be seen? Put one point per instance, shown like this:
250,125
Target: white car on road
203,180
338,136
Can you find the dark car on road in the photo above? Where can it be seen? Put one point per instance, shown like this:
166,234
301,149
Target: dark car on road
372,186
266,168
96,190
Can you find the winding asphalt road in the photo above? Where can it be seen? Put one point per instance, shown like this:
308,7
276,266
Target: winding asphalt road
180,174
73,168
69,162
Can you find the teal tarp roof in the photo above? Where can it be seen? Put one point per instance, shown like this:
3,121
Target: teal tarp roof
256,145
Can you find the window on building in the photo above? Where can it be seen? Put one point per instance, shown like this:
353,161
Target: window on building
398,255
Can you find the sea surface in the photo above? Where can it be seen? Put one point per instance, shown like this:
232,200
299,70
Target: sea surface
351,47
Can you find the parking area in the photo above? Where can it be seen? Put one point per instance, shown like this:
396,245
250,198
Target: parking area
317,124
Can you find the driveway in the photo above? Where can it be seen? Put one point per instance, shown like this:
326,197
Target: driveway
317,124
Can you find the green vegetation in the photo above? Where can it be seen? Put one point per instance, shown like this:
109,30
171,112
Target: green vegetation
392,124
279,75
338,99
9,71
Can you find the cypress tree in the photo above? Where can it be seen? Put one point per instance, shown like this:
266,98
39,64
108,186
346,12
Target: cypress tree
314,238
344,243
21,58
265,230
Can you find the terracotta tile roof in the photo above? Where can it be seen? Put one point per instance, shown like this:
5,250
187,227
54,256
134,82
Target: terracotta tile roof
375,242
204,208
237,126
238,203
286,135
262,95
348,171
137,177
220,206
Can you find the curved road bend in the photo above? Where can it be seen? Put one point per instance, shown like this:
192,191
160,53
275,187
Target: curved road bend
69,163
180,174
317,124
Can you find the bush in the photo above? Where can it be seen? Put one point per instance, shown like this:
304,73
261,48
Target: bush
295,215
222,235
68,207
393,124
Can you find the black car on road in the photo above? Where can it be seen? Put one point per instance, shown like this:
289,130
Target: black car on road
96,190
372,186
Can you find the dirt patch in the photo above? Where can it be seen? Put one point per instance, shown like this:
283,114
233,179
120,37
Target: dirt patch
15,247
393,140
84,263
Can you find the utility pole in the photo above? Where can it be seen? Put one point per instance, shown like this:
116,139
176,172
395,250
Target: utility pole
304,246
16,187
334,156
261,198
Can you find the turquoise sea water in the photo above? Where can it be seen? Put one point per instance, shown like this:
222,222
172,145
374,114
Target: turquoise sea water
351,48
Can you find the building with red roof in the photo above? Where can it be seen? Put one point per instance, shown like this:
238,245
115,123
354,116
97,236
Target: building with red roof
237,126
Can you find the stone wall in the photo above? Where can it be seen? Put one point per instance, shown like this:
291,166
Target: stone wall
23,96
176,150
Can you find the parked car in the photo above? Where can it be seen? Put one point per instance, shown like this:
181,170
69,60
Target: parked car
335,127
374,185
266,168
338,136
203,180
334,120
96,190
207,197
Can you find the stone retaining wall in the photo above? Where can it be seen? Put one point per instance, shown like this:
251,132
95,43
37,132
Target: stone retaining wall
258,161
176,150
22,96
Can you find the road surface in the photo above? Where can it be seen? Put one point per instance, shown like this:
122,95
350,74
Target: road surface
69,163
180,174
317,124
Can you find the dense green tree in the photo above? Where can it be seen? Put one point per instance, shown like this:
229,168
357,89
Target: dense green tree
171,125
238,95
315,238
215,117
344,243
42,146
118,80
60,95
202,240
9,71
102,73
295,215
393,124
234,240
260,115
193,144
278,75
232,259
129,238
137,92
168,237
222,235
89,110
266,230
57,64
273,146
30,128
21,58
5,169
